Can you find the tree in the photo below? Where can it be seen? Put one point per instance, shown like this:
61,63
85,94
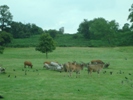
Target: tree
20,30
84,28
130,17
53,33
46,44
126,28
99,28
5,17
61,30
5,38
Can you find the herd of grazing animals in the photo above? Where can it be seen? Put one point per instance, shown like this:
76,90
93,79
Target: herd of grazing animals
70,67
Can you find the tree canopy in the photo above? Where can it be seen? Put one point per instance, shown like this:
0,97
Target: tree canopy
46,44
5,17
20,30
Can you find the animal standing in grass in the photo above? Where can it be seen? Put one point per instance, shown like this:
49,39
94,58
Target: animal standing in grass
95,68
73,66
28,63
100,62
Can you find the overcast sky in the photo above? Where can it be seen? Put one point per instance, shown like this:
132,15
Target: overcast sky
53,14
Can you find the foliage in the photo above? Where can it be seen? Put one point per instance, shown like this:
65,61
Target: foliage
46,44
126,28
5,17
99,28
52,32
130,16
84,28
61,30
20,30
5,38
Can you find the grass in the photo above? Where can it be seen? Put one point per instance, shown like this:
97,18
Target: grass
42,84
65,40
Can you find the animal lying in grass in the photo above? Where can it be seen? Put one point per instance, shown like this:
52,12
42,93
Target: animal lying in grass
53,66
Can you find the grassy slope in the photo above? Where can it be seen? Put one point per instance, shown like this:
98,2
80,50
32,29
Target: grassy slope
50,85
65,40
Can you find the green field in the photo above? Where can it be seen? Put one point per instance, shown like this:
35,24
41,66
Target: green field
42,84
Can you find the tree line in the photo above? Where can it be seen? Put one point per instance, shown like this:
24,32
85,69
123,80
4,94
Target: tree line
96,29
101,29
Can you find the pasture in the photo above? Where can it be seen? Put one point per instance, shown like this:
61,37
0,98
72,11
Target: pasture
41,84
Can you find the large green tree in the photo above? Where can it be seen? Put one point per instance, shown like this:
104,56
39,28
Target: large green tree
98,29
46,44
5,17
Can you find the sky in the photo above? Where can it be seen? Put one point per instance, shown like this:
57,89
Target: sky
54,14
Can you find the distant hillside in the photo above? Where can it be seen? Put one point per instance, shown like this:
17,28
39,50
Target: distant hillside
65,40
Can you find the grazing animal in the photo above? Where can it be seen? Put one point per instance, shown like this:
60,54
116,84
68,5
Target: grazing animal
73,67
97,62
28,63
95,68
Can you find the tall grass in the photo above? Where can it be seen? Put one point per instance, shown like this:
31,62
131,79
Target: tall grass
42,84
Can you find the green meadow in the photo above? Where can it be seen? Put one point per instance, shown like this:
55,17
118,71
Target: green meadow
41,84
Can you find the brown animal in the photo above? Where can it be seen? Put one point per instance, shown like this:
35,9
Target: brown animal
97,62
28,63
95,68
47,62
73,66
